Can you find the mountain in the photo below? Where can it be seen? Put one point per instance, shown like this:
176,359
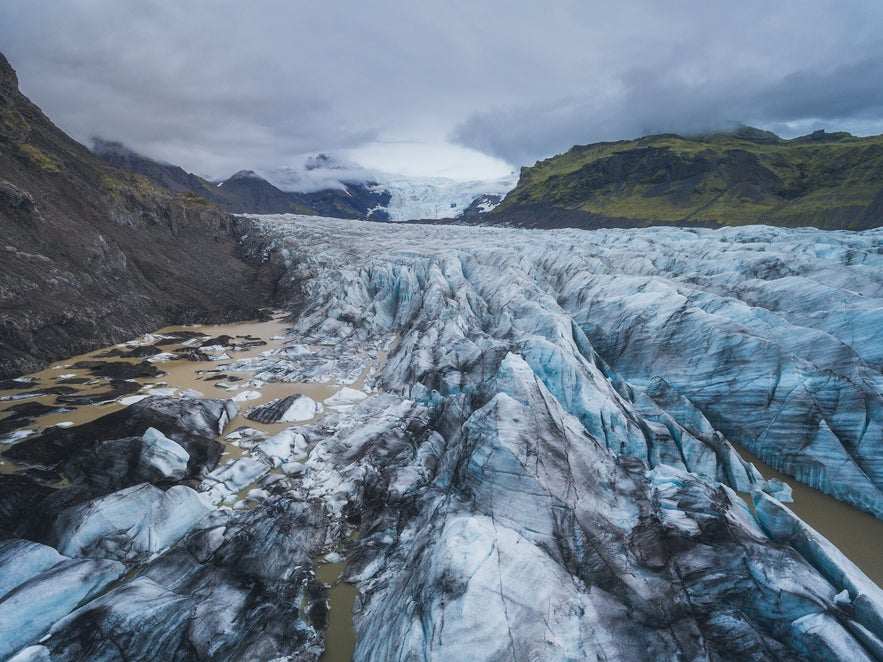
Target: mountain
337,189
364,200
246,192
825,180
166,175
94,255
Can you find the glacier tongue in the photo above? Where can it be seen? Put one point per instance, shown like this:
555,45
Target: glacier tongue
439,197
528,456
774,372
555,478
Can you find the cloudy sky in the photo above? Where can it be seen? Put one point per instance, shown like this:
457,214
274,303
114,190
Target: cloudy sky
468,89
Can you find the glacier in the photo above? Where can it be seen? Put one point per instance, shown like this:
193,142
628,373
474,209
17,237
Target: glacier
410,196
532,453
795,378
642,342
438,197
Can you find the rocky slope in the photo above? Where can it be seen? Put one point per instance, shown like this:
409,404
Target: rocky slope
247,192
92,254
830,181
168,176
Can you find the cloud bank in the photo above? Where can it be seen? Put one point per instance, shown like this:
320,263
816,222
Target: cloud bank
217,86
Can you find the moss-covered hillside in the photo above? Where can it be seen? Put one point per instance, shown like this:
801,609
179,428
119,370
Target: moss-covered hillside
826,180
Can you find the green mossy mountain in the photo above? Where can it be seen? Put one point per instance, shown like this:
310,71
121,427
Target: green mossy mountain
824,180
92,254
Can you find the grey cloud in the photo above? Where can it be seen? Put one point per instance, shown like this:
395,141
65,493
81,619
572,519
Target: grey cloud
318,172
852,89
847,97
221,85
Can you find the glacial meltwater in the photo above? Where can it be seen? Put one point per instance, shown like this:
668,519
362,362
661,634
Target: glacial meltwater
857,534
220,374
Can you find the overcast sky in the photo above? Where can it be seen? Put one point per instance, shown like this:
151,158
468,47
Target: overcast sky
460,88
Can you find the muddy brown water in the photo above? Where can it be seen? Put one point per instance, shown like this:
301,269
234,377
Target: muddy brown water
859,535
179,374
201,376
340,637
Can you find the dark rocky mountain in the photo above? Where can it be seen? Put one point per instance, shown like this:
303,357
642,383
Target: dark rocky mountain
94,255
249,193
824,180
480,206
246,192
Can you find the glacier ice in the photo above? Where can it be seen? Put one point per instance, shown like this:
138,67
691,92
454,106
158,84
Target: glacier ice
544,469
129,525
252,597
290,409
770,371
639,340
164,458
38,586
345,397
231,478
282,447
438,197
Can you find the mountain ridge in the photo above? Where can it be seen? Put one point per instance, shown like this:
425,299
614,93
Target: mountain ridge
251,193
825,180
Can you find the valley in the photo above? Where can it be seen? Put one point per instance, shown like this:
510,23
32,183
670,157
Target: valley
470,407
241,422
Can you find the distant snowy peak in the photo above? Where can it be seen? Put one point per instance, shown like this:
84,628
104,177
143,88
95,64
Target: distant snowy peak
410,198
439,197
245,174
